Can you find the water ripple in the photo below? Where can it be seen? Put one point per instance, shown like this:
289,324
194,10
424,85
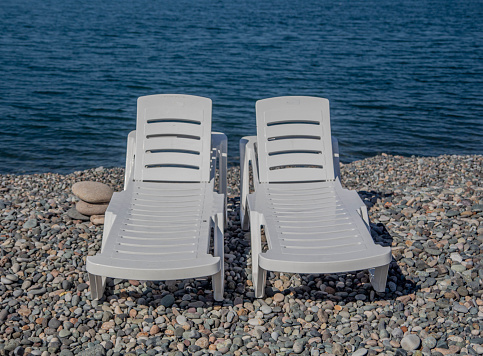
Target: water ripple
402,77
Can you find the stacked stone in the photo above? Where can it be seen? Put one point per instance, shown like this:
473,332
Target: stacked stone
94,198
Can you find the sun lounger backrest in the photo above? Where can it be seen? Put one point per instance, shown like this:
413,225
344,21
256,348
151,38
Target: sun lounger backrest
173,138
294,139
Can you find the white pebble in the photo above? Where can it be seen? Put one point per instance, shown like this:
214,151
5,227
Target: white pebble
181,319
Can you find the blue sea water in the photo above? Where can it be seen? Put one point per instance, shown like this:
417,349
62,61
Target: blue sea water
403,77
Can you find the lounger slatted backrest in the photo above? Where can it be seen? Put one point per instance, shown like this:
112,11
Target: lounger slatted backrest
294,140
173,141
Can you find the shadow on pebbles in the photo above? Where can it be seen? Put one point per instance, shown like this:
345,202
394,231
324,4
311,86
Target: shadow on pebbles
429,210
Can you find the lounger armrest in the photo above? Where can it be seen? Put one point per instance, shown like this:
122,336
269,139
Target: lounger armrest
130,155
218,204
355,202
335,153
116,206
247,157
219,152
361,207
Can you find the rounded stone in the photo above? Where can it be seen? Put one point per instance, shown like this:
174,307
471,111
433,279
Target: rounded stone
64,333
154,330
5,280
167,300
460,308
15,267
337,349
82,286
202,342
429,342
12,277
360,352
462,291
298,346
92,192
278,297
74,214
54,323
30,224
410,342
266,309
97,219
91,209
181,319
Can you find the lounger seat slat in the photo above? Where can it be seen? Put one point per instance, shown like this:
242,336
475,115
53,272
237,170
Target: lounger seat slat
322,221
185,188
148,249
158,234
167,194
172,143
315,196
287,175
132,218
161,238
295,144
173,128
147,209
173,159
285,161
328,204
321,226
166,205
300,209
157,227
317,239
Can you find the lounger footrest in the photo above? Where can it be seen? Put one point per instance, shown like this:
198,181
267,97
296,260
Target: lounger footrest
338,263
145,270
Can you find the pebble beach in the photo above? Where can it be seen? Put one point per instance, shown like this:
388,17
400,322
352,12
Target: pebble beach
429,210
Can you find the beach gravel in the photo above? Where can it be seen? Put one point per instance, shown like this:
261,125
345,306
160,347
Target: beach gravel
427,209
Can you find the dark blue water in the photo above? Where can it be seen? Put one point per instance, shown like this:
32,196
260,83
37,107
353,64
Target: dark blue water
403,77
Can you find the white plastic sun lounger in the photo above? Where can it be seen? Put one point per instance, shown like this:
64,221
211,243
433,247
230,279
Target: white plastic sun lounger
312,224
159,227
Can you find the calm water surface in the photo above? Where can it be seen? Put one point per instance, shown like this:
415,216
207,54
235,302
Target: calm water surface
402,77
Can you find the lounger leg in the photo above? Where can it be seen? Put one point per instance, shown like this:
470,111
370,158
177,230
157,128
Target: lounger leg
259,275
365,216
98,284
378,277
245,221
244,186
218,280
259,282
108,222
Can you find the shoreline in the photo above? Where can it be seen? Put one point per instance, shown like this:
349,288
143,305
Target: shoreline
233,164
428,209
